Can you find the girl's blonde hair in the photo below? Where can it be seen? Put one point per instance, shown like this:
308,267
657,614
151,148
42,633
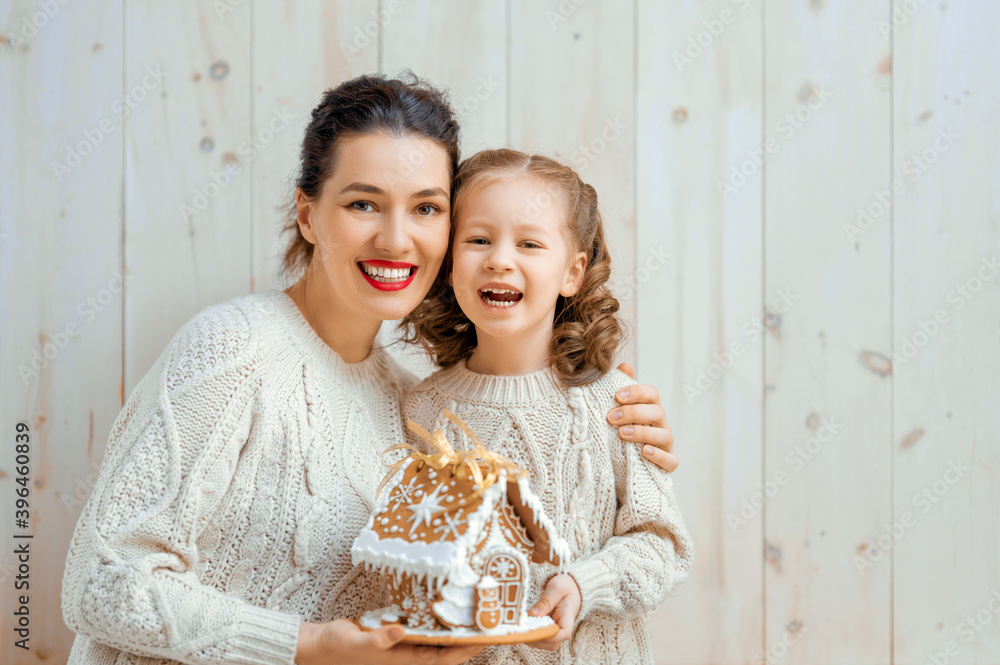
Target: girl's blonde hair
586,329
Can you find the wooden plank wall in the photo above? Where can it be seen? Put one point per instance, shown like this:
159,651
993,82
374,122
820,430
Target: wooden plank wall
802,201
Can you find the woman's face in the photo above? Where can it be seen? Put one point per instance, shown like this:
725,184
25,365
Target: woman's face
380,226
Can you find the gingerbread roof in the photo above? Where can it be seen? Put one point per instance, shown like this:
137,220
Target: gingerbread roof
430,519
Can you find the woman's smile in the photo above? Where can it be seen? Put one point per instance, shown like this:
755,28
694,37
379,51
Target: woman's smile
388,275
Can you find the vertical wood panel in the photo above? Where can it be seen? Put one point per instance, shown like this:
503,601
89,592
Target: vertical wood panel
572,95
470,61
300,50
182,150
827,416
61,299
947,394
699,115
470,64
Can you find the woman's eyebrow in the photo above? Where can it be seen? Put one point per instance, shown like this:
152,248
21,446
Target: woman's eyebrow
362,187
433,191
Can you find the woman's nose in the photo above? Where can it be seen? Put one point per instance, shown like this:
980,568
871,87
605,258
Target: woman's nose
393,235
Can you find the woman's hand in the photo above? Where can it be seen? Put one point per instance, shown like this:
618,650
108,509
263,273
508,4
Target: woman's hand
561,600
641,419
342,641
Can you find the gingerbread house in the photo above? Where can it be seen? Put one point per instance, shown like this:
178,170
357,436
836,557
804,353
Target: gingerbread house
454,534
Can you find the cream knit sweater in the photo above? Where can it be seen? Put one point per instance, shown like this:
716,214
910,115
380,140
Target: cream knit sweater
615,509
236,477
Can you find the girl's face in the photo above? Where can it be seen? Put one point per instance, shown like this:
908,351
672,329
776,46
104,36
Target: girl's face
512,257
380,226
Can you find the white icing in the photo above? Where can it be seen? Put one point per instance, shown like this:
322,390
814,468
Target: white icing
373,621
426,508
557,545
487,583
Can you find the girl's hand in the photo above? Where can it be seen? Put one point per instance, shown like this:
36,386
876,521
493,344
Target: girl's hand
561,600
641,419
342,641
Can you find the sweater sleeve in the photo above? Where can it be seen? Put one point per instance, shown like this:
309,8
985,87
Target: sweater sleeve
129,580
651,551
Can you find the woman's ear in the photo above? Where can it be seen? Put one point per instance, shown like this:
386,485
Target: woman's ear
574,277
303,214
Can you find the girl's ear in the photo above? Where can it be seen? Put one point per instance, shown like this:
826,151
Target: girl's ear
303,213
574,276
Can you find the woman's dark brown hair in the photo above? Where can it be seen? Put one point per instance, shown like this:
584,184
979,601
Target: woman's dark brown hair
586,329
370,104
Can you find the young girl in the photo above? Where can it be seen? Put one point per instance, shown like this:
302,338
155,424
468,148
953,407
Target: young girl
525,329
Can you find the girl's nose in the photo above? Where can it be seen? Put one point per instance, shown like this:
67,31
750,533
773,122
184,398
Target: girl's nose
499,260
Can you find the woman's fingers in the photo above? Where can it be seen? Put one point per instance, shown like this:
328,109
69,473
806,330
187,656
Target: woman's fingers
638,414
661,458
659,437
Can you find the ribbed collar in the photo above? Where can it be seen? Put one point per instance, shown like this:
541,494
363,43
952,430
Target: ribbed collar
371,370
491,389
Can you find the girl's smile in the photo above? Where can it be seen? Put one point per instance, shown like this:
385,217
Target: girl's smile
499,297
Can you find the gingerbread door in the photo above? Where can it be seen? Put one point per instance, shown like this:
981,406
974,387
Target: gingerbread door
507,571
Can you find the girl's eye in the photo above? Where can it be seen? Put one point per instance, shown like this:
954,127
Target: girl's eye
531,245
478,241
426,210
362,206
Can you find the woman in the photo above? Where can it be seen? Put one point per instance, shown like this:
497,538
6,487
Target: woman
245,462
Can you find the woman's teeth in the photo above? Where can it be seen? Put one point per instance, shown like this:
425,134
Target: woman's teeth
386,274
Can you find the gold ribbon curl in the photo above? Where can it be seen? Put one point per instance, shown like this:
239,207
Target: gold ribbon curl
475,460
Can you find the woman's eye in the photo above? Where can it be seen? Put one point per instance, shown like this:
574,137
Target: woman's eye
363,206
426,210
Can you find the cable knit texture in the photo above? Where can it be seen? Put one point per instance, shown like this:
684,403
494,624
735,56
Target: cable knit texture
615,509
236,477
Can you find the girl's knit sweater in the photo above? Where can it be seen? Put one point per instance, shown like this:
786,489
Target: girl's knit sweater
616,510
236,477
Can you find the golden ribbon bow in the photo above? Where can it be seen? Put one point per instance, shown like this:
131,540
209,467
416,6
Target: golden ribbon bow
474,460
